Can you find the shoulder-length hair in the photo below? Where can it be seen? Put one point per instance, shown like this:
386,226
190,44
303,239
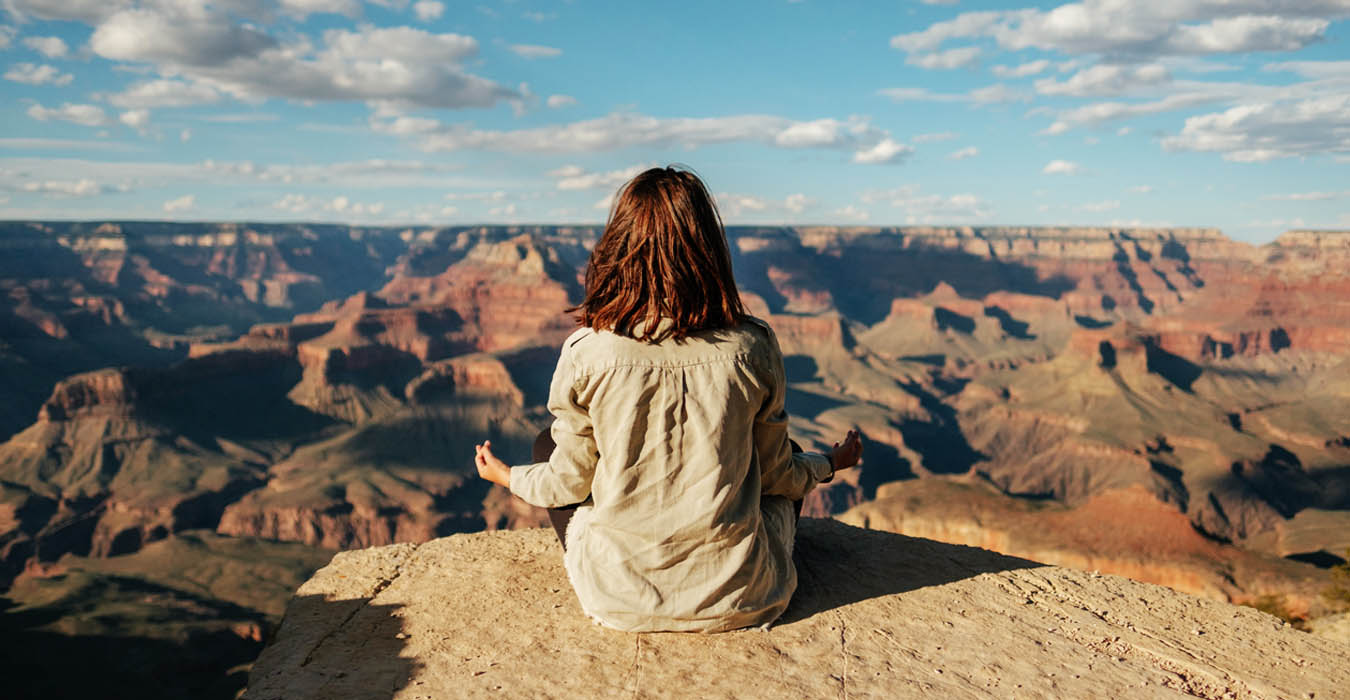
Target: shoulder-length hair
663,255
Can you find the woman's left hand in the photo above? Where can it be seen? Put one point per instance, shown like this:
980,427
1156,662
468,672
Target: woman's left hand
489,467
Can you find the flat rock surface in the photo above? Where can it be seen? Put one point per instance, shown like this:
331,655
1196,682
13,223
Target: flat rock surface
876,615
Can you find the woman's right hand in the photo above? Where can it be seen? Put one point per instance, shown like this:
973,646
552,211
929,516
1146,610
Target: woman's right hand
847,455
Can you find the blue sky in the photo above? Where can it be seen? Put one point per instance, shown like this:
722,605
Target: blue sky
1228,113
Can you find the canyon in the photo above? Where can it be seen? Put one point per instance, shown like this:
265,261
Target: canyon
1165,404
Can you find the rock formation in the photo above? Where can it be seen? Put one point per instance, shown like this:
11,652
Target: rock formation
875,615
324,385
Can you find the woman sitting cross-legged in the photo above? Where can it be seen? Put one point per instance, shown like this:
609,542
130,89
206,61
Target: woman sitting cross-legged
670,431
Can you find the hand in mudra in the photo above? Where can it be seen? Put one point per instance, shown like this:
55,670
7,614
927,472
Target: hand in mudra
847,455
489,467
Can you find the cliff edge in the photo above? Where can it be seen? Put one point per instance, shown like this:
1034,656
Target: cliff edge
876,615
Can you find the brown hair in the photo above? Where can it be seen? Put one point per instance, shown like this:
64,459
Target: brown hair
663,254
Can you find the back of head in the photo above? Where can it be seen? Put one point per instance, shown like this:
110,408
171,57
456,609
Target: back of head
663,255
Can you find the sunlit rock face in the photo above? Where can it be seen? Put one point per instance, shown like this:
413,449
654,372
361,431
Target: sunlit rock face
326,384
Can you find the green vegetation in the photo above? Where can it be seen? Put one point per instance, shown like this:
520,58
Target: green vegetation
1338,593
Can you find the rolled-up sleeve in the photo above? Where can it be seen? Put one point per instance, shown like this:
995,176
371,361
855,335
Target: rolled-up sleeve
783,472
565,479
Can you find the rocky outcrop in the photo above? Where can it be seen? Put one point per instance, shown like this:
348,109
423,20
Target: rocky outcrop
875,615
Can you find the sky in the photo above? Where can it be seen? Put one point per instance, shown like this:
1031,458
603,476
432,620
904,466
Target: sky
1226,113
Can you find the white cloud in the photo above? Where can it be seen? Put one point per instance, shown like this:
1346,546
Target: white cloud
852,213
962,154
1022,70
936,136
427,10
85,115
945,60
185,135
751,207
996,93
164,93
887,150
183,203
1100,112
6,36
560,101
571,177
137,119
623,130
1061,167
33,74
1119,27
399,66
1265,131
87,11
341,204
49,46
301,9
66,188
377,173
1141,189
1104,79
798,202
535,51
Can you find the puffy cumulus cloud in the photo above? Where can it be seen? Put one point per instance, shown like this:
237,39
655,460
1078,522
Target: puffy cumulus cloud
1105,79
34,74
1265,131
180,204
751,207
964,153
1116,27
623,130
571,177
49,46
6,36
427,10
67,188
164,93
798,202
1021,70
205,46
946,60
341,204
137,119
887,150
560,101
1061,167
535,51
85,115
920,208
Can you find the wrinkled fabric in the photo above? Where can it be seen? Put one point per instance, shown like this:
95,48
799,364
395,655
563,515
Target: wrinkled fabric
680,457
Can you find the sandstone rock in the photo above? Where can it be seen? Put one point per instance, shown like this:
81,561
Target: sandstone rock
876,615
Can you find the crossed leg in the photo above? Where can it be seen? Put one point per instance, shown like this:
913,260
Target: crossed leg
559,517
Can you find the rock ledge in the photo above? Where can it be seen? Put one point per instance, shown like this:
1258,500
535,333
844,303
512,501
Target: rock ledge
876,615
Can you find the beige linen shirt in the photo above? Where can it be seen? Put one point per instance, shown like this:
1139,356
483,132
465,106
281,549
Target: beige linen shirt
679,454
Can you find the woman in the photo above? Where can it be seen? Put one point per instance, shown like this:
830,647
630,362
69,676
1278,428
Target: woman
670,429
